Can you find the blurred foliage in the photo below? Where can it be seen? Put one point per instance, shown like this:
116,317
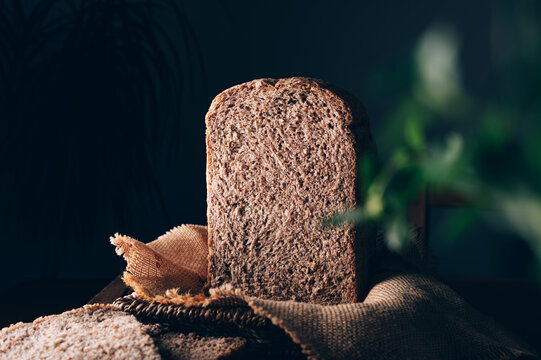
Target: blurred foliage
441,136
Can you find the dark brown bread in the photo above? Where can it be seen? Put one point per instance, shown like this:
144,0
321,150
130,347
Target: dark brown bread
175,345
281,156
92,332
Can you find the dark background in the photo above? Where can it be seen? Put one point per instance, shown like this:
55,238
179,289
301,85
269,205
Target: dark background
102,120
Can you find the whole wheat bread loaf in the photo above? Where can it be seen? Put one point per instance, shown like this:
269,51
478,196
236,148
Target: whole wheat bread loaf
281,157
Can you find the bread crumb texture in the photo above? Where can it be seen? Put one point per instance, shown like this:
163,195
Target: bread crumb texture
192,346
281,157
90,332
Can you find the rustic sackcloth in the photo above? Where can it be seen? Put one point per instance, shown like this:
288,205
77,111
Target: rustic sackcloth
407,314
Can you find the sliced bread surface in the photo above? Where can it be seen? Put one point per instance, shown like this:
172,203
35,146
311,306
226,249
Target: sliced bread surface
282,157
91,332
174,345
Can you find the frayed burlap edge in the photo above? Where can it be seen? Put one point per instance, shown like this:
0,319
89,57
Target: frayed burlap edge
225,295
149,272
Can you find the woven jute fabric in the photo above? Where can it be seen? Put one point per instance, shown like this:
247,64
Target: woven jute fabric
177,259
406,314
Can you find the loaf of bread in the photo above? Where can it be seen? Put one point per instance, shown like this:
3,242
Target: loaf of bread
282,157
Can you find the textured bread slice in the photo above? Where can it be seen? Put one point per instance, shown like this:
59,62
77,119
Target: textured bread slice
281,156
91,332
174,345
102,332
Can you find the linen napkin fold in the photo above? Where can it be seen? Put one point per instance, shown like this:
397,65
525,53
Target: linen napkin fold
406,314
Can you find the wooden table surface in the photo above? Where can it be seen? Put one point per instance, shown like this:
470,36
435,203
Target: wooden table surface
110,292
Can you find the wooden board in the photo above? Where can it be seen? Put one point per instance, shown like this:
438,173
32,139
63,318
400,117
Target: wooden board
111,292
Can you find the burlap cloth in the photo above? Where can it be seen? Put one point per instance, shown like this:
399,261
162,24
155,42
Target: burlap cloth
406,315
